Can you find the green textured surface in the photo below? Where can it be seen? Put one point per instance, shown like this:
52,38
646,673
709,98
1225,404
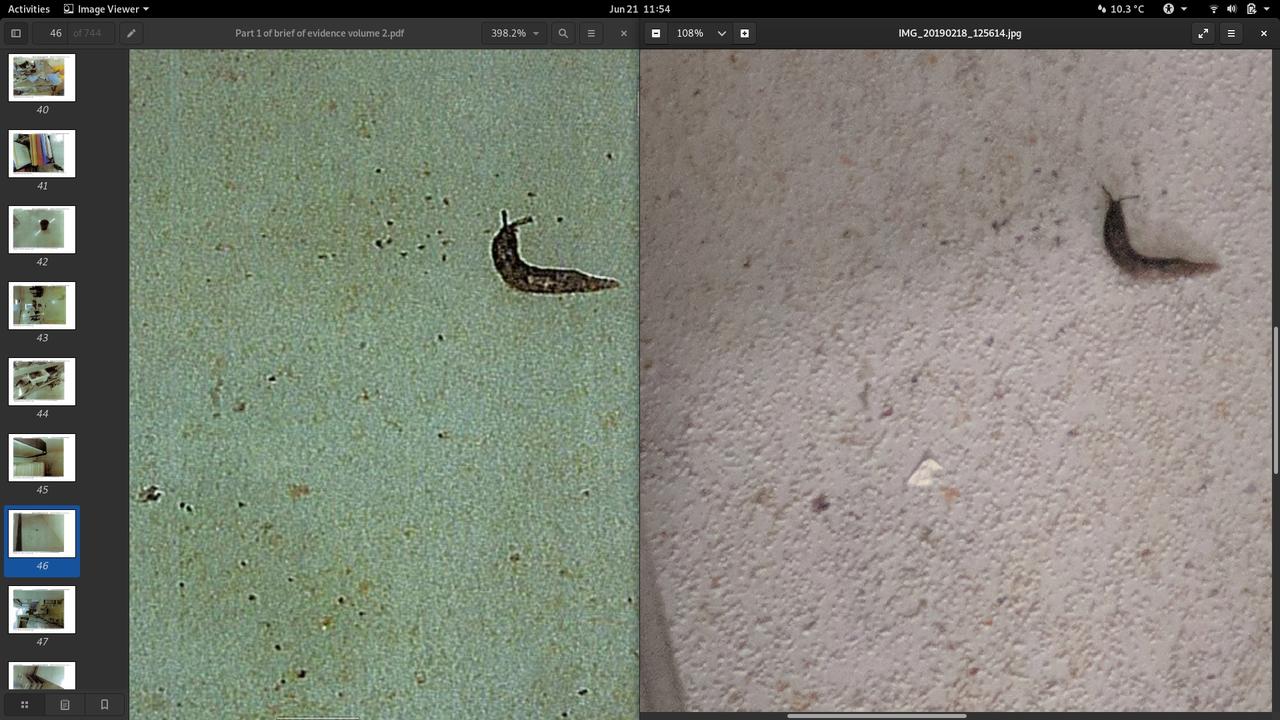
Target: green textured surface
393,487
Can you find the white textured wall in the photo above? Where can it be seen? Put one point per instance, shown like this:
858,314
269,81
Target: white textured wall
854,260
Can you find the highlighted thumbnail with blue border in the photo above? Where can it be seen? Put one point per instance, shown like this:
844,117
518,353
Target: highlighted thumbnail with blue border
42,541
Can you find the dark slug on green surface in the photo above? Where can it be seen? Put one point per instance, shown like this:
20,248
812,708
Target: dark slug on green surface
1115,237
532,279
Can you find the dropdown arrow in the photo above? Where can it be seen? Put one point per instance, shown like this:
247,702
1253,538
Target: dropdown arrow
721,32
1184,8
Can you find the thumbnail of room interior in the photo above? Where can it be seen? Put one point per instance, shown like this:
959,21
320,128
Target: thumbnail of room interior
39,304
39,76
37,532
37,609
37,152
39,228
36,457
35,380
38,677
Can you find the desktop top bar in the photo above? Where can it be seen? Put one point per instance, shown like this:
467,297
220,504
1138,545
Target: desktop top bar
592,33
611,9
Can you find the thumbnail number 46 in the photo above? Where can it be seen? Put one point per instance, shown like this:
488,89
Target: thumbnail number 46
42,565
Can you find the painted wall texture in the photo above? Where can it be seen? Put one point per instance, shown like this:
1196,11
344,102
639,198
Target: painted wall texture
389,482
860,265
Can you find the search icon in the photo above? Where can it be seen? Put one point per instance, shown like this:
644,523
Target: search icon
562,33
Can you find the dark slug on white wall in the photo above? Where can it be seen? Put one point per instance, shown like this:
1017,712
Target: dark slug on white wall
1115,236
